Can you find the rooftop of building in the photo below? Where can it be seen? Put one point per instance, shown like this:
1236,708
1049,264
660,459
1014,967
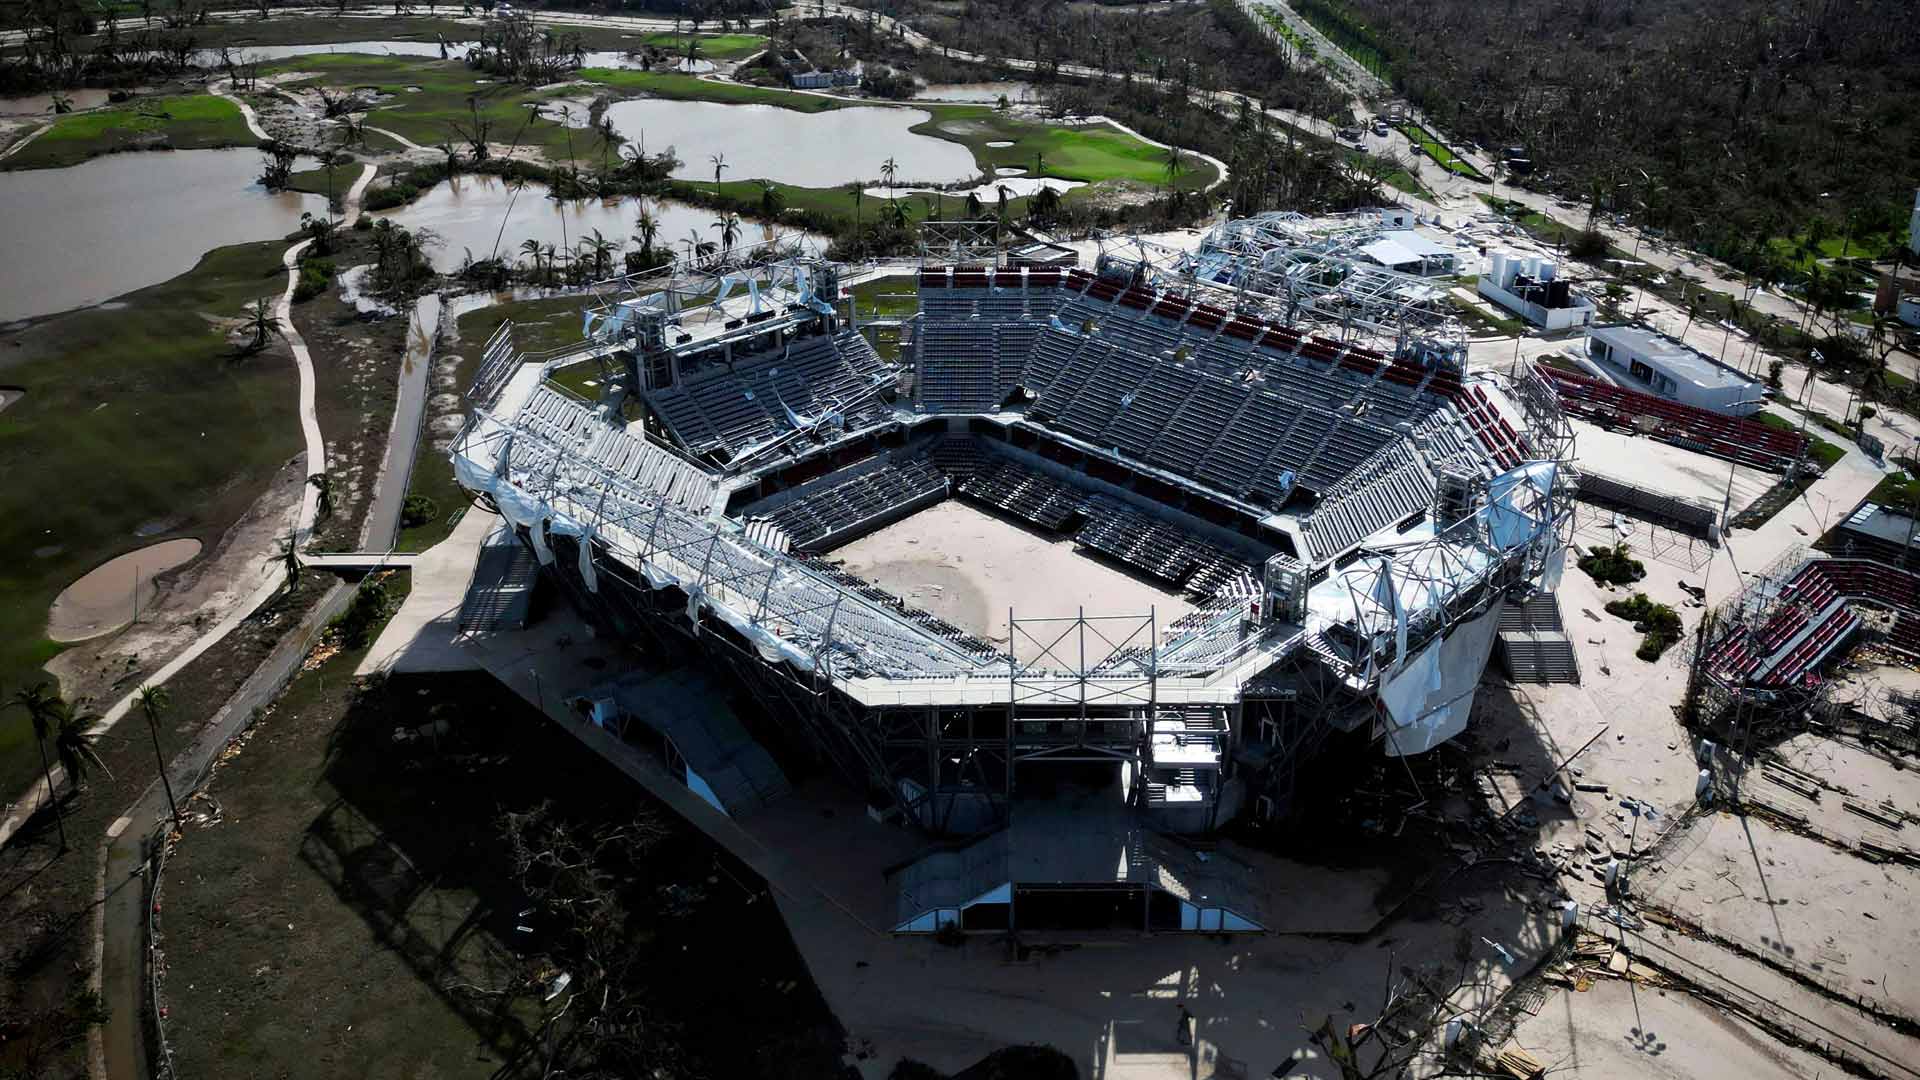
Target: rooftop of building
1675,359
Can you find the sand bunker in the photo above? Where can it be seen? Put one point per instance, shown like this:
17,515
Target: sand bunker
103,601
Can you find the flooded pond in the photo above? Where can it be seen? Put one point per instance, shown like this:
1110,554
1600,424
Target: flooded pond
467,213
81,235
108,597
764,142
82,98
455,49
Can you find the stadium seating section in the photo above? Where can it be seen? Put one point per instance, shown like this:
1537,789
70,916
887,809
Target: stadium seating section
1810,618
726,410
1729,437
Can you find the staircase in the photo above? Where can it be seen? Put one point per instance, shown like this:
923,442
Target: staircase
1535,642
501,594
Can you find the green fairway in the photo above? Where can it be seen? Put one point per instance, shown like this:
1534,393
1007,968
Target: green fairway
712,46
449,93
183,122
133,415
1089,154
677,87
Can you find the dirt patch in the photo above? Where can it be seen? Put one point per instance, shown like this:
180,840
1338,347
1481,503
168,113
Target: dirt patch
9,395
111,594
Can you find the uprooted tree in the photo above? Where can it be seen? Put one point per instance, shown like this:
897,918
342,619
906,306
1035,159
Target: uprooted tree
595,897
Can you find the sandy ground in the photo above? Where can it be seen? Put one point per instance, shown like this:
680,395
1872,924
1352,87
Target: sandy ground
189,601
970,568
1802,904
1653,464
111,595
1616,1029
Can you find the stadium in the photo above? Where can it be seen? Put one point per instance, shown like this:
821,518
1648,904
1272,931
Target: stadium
1103,562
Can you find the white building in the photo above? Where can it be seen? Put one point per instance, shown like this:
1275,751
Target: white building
1653,363
1410,252
1530,287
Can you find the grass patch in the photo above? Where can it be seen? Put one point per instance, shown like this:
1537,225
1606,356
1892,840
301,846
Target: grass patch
1349,33
359,899
1823,453
712,46
674,86
446,89
897,294
1438,151
1898,490
146,408
1089,154
179,122
1475,317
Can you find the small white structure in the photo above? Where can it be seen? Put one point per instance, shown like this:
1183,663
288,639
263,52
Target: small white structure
1409,252
1651,362
1909,310
1530,287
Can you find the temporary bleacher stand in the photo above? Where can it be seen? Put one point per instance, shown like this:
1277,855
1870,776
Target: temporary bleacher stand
1732,438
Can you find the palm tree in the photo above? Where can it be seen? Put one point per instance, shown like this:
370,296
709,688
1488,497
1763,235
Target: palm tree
323,506
694,245
719,166
452,154
1173,164
889,168
39,703
646,229
73,740
598,250
289,558
729,228
262,326
531,249
771,200
897,213
854,188
154,700
973,206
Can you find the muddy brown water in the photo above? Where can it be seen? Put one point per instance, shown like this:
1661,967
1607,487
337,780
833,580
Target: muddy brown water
82,235
763,142
467,214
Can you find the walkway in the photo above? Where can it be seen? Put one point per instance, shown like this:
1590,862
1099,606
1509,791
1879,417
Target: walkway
118,1049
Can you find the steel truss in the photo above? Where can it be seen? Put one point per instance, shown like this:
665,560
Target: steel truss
1291,269
962,242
